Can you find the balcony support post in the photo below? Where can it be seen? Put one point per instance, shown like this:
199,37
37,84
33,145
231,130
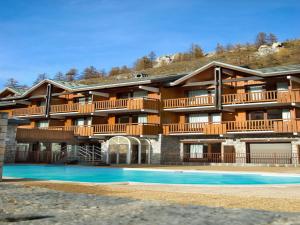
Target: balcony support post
218,87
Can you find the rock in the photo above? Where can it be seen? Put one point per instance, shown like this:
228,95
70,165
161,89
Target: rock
264,50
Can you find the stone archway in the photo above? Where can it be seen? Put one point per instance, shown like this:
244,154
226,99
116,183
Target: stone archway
127,150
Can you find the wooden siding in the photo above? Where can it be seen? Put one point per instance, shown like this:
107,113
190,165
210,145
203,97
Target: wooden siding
44,135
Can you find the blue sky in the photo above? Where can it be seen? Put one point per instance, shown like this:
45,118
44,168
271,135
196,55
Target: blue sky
38,36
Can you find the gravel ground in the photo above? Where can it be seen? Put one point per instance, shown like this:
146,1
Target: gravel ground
34,205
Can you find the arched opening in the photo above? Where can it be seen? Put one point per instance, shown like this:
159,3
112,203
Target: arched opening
130,150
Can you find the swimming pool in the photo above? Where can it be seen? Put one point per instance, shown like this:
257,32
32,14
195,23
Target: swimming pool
108,175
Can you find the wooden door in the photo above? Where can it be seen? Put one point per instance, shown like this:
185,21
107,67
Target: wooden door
229,154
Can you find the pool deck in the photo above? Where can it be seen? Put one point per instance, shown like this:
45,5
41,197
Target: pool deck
284,198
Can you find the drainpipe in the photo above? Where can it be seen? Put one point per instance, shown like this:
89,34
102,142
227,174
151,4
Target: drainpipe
48,100
218,88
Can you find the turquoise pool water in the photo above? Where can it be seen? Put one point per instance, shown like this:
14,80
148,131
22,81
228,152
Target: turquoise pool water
106,175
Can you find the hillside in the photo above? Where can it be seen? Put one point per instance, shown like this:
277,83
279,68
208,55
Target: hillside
240,55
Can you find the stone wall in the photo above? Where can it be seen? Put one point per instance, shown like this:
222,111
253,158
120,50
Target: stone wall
3,129
10,143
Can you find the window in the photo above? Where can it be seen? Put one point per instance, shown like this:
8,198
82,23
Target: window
255,88
198,151
282,86
142,118
256,115
84,100
123,119
198,118
216,117
123,95
79,122
273,114
140,94
42,103
43,123
83,121
197,93
286,114
255,92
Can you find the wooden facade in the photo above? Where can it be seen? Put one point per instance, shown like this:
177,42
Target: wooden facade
217,100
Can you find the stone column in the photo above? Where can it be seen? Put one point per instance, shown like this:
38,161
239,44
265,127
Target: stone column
3,130
11,143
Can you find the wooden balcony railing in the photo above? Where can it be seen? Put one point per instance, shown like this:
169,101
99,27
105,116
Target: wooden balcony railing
204,128
28,111
265,96
74,107
131,104
189,102
128,129
277,126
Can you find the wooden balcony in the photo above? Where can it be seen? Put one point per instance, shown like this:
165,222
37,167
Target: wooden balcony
112,129
261,97
194,128
275,126
188,102
75,108
139,104
127,129
30,111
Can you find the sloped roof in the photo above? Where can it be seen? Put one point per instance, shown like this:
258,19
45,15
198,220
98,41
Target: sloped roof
174,79
280,69
263,72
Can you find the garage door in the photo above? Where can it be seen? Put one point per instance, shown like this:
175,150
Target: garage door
271,153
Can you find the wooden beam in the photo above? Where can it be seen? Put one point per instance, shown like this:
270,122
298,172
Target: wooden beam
23,102
151,89
102,94
242,79
203,83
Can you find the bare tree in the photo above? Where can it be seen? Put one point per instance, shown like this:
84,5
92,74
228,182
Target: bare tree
91,72
196,51
220,49
42,76
272,38
59,76
261,39
12,82
71,75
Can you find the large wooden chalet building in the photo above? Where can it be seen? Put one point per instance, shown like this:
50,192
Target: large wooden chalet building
219,113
